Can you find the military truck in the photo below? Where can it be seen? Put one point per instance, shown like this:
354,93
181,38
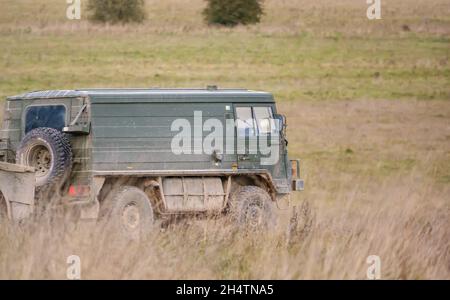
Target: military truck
134,156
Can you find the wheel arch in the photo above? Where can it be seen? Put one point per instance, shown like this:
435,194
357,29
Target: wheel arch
260,180
112,183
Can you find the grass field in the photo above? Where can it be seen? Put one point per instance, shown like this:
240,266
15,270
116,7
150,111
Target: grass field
368,107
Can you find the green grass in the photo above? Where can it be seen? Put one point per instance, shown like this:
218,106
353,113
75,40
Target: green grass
294,68
40,49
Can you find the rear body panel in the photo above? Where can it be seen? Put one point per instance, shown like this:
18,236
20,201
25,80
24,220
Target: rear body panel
138,136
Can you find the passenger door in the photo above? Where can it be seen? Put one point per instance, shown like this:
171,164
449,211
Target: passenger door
246,138
256,128
253,124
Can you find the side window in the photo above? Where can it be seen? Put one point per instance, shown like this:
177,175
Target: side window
264,119
245,123
53,116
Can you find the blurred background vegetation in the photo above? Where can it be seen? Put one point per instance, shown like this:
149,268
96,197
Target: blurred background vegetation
116,11
233,12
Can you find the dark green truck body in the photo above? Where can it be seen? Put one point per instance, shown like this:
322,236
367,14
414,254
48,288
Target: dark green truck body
118,133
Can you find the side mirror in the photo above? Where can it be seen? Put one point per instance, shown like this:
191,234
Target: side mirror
280,122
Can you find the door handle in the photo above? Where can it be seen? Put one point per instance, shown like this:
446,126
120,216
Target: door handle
244,157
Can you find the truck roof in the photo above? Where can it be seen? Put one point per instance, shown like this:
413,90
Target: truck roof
152,94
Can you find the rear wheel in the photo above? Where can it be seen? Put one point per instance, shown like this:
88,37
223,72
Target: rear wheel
127,211
252,207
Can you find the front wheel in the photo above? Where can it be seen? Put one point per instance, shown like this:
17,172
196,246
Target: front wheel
127,211
252,207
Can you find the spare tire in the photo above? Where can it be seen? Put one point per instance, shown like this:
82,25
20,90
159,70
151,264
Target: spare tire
49,152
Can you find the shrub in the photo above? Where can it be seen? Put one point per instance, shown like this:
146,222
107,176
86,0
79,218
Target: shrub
116,11
233,12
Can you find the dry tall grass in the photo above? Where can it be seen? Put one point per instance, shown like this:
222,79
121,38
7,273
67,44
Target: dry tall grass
412,240
388,195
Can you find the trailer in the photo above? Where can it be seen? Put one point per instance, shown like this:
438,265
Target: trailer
17,189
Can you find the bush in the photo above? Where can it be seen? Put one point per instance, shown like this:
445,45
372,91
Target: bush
116,11
233,12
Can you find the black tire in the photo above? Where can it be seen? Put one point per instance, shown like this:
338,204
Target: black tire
49,152
127,211
251,207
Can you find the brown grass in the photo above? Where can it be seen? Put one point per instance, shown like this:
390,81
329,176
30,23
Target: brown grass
407,228
371,200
